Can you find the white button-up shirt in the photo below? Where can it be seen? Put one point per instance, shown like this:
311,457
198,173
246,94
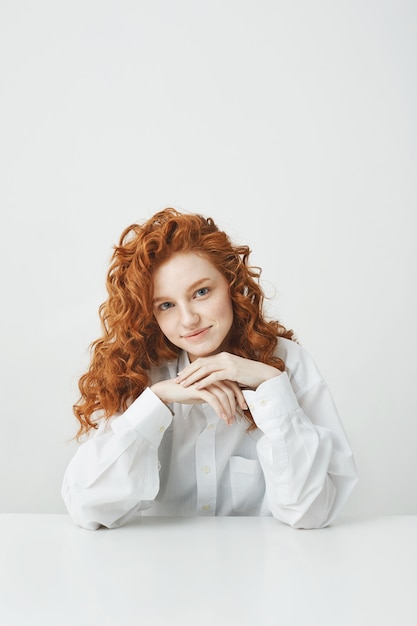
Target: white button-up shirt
297,465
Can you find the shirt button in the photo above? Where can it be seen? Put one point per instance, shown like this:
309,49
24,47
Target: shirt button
161,429
206,507
263,402
206,469
210,426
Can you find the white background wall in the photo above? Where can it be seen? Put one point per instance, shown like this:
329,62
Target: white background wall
291,123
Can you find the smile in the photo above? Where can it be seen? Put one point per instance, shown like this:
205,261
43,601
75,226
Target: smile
196,334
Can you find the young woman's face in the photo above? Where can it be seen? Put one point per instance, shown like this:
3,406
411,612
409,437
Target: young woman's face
192,304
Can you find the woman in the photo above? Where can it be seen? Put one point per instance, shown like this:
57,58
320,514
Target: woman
194,403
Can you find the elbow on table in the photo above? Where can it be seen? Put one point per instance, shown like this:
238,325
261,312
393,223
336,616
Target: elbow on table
93,519
314,511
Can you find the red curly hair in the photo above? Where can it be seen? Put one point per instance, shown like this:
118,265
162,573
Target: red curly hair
132,342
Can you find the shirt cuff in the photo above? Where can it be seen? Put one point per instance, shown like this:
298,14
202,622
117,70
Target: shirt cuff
147,415
272,402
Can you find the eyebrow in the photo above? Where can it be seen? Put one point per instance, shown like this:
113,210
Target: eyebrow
190,288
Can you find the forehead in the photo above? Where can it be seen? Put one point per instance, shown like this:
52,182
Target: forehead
182,270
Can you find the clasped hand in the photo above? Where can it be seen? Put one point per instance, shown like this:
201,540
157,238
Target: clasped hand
216,380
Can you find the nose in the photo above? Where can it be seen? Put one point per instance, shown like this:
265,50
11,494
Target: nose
189,316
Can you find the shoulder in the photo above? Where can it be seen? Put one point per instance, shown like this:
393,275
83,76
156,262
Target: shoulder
299,365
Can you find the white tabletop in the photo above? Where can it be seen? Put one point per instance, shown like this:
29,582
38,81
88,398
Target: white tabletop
209,570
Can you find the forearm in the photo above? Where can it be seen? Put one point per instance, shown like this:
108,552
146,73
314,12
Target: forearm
115,473
305,456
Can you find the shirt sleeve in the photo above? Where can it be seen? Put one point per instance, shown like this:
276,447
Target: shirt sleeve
115,472
304,452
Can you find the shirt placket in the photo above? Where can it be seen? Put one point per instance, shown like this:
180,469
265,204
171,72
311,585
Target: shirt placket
205,452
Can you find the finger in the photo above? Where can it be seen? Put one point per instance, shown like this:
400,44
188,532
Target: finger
188,378
210,379
230,398
226,396
239,398
221,400
190,369
202,366
217,404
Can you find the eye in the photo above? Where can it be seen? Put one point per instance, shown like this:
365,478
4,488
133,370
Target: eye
165,306
202,292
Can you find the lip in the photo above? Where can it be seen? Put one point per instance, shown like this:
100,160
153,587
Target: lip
196,334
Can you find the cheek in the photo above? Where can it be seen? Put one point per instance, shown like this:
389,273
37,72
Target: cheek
167,324
225,311
160,322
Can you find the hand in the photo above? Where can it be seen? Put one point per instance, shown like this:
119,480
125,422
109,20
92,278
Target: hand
206,371
224,397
